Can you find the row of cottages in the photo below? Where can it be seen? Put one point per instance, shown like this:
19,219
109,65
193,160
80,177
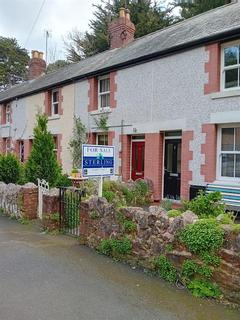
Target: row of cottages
172,99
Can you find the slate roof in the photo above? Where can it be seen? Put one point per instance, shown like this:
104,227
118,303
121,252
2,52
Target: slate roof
220,23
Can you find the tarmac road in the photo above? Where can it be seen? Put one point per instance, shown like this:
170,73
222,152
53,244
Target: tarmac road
45,277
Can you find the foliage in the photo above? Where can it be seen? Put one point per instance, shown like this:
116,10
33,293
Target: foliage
77,140
174,213
236,228
166,204
207,205
202,236
102,122
210,259
42,162
58,64
147,15
63,181
189,9
121,194
13,62
109,195
165,269
128,225
203,288
226,218
55,216
115,246
10,168
168,247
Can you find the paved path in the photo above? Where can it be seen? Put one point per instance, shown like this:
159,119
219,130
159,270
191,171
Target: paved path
45,277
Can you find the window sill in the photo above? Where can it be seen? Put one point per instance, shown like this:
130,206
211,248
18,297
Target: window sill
55,117
101,111
227,182
5,125
226,94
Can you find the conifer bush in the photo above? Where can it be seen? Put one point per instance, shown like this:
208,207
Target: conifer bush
42,162
10,168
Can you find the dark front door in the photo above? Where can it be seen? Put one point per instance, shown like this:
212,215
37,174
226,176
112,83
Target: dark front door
172,169
138,151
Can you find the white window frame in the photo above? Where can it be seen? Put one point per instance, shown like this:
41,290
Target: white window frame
219,152
54,103
103,93
223,68
101,134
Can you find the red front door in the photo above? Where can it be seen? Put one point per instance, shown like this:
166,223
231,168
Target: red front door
138,148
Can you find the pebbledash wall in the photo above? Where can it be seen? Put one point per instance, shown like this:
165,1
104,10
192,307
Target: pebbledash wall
172,93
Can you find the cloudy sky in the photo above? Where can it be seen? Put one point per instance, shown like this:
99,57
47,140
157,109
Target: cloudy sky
27,20
17,18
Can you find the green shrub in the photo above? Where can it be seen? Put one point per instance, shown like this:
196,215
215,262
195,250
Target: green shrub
168,247
166,204
109,195
190,269
10,168
210,259
63,181
204,289
128,195
129,226
207,205
226,218
165,269
236,228
202,236
174,213
115,246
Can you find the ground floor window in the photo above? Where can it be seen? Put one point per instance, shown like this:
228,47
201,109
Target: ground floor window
229,153
102,139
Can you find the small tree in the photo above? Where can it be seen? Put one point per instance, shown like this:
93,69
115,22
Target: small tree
10,168
42,162
77,140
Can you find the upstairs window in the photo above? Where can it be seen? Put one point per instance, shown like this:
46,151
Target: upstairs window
6,114
54,102
231,66
103,92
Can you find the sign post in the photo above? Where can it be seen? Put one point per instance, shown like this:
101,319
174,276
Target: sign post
98,161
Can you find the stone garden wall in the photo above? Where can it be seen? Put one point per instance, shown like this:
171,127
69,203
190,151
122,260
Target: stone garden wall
153,233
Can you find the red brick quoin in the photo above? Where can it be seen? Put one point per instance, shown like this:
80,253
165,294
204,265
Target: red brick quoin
212,68
209,150
187,156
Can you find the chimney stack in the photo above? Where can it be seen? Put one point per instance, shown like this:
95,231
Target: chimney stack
37,66
121,30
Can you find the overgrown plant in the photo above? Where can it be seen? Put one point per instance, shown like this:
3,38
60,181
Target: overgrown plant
42,162
101,122
203,236
115,247
207,205
10,168
77,140
165,269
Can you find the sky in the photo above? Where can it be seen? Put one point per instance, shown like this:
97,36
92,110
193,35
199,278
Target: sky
28,20
17,18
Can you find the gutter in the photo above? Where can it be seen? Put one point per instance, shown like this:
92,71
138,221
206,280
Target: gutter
225,36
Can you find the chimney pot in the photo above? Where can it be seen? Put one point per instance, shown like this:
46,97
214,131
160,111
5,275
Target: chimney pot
127,14
122,12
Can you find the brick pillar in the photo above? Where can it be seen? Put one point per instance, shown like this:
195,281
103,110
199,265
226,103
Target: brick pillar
153,169
27,148
92,137
29,201
209,150
111,136
93,94
2,146
187,156
125,156
113,89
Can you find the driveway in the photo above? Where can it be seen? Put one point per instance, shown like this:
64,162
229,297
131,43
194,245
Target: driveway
52,277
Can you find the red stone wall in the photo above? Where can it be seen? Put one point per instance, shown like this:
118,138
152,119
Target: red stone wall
154,162
187,156
209,150
212,68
